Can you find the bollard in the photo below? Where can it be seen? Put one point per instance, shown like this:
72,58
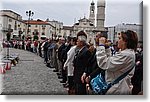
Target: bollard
2,71
8,66
2,68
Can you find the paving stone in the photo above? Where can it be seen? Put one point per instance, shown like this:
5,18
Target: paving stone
30,77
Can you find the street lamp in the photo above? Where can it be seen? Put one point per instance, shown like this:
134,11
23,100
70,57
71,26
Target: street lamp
8,35
29,14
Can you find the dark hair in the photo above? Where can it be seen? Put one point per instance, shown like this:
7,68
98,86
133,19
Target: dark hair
68,38
131,38
81,33
74,39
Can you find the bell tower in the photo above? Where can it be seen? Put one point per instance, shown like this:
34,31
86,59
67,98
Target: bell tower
92,13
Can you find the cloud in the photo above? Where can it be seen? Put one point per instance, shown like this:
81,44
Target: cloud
122,13
68,10
63,11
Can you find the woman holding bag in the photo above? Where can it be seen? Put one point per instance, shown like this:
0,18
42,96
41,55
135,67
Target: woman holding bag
118,64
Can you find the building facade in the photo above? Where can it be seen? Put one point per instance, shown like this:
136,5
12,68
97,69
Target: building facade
39,28
88,25
67,31
92,13
58,27
85,25
113,31
11,22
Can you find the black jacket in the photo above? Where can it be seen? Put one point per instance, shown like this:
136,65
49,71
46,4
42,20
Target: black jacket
80,63
60,51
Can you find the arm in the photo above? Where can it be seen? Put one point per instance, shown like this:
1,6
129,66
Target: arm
113,63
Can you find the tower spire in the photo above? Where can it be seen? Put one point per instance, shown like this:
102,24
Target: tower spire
92,12
100,14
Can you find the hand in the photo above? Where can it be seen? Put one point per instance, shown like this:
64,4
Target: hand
88,87
64,68
108,44
87,79
91,48
138,62
83,77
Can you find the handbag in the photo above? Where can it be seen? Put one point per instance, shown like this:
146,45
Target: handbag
100,86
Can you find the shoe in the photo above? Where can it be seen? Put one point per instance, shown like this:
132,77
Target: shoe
62,81
55,70
52,66
59,77
58,73
66,85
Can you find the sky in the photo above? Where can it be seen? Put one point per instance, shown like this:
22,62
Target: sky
70,11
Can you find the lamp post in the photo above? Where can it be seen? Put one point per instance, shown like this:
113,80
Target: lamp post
8,35
29,14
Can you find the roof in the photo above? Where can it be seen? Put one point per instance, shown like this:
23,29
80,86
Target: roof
84,20
10,11
67,27
37,22
11,17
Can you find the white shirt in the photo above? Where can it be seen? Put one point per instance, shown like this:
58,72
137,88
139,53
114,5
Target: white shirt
69,61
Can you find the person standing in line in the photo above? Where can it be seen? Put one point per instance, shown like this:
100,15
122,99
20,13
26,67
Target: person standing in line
45,49
118,64
80,63
60,59
68,45
35,46
68,65
39,48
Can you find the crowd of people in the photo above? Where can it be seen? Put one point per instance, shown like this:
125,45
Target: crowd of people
77,62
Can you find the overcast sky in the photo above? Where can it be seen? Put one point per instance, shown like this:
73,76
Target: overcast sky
70,11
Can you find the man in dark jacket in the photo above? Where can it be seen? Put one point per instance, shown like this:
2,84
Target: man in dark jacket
45,48
80,63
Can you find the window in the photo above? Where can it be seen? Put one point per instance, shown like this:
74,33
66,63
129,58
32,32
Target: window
43,25
9,26
15,26
24,30
29,30
35,30
43,29
19,29
43,33
10,20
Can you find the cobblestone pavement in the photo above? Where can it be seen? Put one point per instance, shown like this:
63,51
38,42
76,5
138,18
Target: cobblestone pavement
31,76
